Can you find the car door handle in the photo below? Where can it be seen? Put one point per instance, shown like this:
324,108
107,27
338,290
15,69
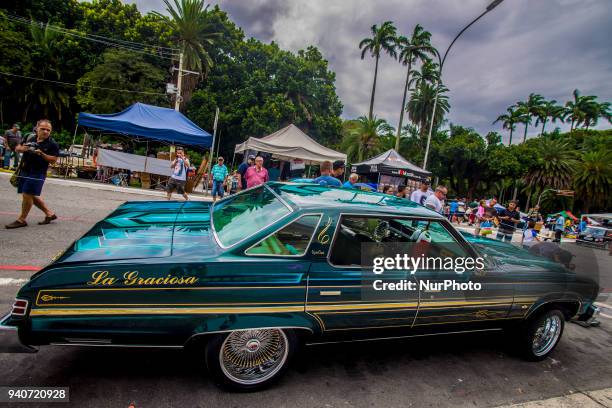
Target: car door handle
330,293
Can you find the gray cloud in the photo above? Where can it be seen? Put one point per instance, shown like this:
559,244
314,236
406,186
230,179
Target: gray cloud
546,46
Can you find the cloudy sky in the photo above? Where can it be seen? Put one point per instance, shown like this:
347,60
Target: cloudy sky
548,47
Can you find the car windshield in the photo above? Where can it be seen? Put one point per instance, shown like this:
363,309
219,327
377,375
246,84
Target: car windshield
244,214
595,231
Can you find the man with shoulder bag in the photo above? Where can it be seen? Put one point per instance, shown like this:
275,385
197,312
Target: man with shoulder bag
39,151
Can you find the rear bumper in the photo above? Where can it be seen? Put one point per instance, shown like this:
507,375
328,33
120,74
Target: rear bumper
9,339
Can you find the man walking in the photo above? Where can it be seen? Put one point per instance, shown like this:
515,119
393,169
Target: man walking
178,179
38,152
508,220
242,171
219,173
435,200
256,174
12,138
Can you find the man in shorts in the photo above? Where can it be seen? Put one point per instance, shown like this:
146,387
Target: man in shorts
39,151
178,179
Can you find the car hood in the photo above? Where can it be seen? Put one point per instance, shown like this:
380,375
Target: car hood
149,229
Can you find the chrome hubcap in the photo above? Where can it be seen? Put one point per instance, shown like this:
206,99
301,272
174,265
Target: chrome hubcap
546,335
253,356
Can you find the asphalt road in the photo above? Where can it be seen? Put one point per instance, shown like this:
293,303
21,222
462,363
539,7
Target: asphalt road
461,370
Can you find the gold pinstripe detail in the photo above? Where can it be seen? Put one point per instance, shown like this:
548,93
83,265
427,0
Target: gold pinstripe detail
167,310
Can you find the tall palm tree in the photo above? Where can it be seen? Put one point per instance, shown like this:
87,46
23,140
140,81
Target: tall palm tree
364,137
596,110
509,120
383,39
193,29
421,103
593,178
413,49
529,109
548,109
429,73
554,166
576,110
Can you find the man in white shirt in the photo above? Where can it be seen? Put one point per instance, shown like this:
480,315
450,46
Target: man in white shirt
419,196
435,201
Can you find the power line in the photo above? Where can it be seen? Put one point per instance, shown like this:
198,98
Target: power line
84,86
121,44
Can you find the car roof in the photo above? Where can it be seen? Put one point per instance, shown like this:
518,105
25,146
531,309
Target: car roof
308,196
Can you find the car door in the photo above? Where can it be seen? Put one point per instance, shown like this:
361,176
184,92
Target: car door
455,290
342,294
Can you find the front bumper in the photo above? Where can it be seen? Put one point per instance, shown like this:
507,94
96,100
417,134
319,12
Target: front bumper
589,316
9,339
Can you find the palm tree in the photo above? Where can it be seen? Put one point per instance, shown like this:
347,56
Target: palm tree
549,109
192,28
554,167
413,49
429,73
594,111
364,137
383,39
509,120
577,109
530,108
45,94
421,103
593,178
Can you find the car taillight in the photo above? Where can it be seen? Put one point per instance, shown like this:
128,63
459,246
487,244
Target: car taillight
20,307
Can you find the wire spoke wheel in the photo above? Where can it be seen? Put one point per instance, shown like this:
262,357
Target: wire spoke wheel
546,335
251,357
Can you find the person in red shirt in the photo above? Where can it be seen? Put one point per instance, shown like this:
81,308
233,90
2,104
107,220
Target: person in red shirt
257,174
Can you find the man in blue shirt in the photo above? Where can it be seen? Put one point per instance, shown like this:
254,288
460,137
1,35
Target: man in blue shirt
242,170
350,183
219,173
325,179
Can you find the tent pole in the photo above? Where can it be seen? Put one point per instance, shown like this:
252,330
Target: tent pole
146,158
212,150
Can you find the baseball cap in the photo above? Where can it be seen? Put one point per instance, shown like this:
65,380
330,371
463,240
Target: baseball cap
16,126
251,157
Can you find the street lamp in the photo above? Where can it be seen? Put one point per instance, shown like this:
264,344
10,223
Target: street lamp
490,7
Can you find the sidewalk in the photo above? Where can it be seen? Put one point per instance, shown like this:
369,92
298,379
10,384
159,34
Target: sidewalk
197,196
582,399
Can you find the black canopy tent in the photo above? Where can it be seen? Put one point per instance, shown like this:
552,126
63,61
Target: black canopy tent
391,168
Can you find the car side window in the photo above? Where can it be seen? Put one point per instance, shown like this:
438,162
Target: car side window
421,238
291,240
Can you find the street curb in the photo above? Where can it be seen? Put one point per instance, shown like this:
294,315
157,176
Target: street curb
582,399
110,187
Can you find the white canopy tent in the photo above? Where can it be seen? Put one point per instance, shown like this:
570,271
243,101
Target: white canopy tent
290,143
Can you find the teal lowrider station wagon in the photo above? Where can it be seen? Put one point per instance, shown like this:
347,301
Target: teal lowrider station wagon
253,277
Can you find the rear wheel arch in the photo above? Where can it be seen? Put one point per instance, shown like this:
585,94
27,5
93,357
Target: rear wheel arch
568,307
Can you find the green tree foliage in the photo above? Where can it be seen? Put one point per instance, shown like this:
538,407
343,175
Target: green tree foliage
593,178
120,70
263,88
364,137
411,50
509,120
383,39
189,21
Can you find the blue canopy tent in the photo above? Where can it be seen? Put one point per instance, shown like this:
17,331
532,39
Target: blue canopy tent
151,122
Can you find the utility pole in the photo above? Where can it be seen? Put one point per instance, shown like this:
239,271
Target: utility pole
179,82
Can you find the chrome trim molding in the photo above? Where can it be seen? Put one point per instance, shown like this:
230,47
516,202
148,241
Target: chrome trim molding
401,337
